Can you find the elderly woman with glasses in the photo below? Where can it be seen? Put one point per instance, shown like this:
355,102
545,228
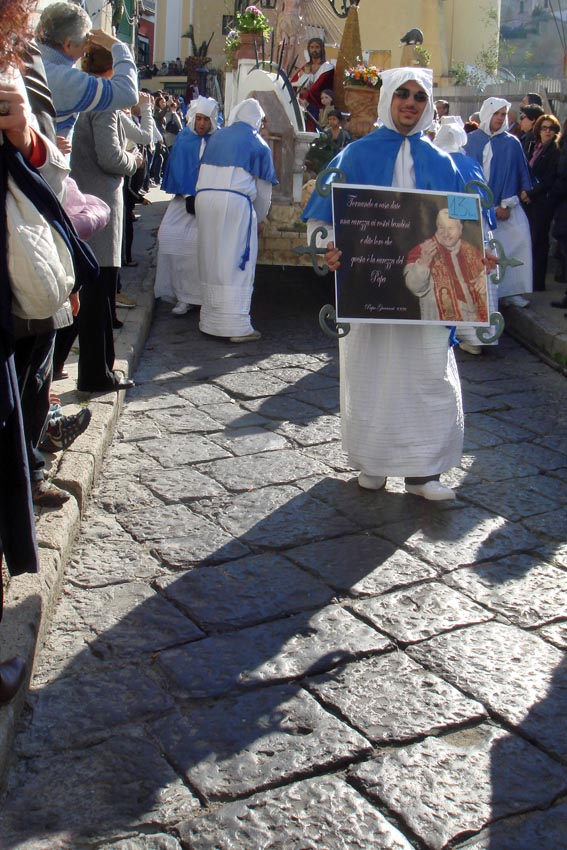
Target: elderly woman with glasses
536,201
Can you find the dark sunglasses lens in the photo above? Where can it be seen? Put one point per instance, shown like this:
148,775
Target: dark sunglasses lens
403,94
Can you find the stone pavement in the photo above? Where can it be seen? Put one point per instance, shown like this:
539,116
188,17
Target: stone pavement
251,652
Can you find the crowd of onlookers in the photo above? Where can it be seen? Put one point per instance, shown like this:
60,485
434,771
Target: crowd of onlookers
72,113
173,68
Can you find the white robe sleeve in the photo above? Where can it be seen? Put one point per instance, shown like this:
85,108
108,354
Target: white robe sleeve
263,199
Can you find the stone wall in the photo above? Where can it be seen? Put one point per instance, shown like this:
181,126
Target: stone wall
282,231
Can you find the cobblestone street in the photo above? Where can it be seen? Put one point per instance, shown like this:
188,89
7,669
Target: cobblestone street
251,652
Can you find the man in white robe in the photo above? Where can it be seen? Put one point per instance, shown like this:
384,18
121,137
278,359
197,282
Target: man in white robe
234,192
177,273
401,409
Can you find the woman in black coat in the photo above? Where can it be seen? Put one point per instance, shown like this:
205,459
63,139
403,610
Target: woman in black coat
18,543
559,228
537,202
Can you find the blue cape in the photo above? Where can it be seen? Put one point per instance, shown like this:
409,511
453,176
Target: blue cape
182,167
469,169
509,171
241,146
370,161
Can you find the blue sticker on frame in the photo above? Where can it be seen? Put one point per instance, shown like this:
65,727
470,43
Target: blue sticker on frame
462,207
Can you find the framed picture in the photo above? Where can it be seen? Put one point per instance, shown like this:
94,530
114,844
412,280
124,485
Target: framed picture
409,256
227,23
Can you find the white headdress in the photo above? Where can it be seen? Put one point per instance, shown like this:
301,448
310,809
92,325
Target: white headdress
487,110
203,106
249,111
452,136
392,79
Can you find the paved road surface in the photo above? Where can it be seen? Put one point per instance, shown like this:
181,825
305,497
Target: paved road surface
251,652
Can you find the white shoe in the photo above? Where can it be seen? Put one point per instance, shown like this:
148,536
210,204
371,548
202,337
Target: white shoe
434,491
470,348
248,338
371,482
516,301
180,308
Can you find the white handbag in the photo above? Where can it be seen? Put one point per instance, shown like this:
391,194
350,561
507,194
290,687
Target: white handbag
40,264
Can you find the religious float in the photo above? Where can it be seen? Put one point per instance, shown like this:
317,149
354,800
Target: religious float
262,70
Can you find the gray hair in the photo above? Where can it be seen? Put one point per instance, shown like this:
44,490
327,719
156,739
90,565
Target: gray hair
61,21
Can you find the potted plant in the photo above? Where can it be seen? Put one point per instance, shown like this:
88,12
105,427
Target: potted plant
244,41
362,91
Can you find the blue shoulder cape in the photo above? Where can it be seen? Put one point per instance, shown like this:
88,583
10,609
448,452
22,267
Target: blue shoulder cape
469,169
370,161
241,146
509,170
182,167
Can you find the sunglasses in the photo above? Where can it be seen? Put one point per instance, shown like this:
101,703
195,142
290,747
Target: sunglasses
418,96
548,129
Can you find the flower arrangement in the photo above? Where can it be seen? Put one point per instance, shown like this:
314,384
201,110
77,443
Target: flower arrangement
423,56
252,20
363,75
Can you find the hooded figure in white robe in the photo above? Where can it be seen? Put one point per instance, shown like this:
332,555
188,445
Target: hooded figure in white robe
452,138
401,409
177,274
507,173
234,192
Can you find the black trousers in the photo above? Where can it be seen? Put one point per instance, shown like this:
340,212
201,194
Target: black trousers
540,215
33,357
96,341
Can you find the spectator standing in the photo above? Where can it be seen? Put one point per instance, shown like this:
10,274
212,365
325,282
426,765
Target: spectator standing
173,125
18,543
528,117
537,201
559,227
99,161
139,131
63,32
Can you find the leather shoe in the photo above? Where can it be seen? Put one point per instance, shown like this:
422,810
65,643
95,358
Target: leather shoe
560,304
47,495
12,677
126,384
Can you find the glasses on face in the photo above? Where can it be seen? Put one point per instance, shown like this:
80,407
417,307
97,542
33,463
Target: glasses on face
547,128
418,96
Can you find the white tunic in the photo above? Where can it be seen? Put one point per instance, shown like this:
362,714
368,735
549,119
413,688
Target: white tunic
514,234
177,273
225,218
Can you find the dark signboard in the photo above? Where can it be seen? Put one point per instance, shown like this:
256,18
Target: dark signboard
409,257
